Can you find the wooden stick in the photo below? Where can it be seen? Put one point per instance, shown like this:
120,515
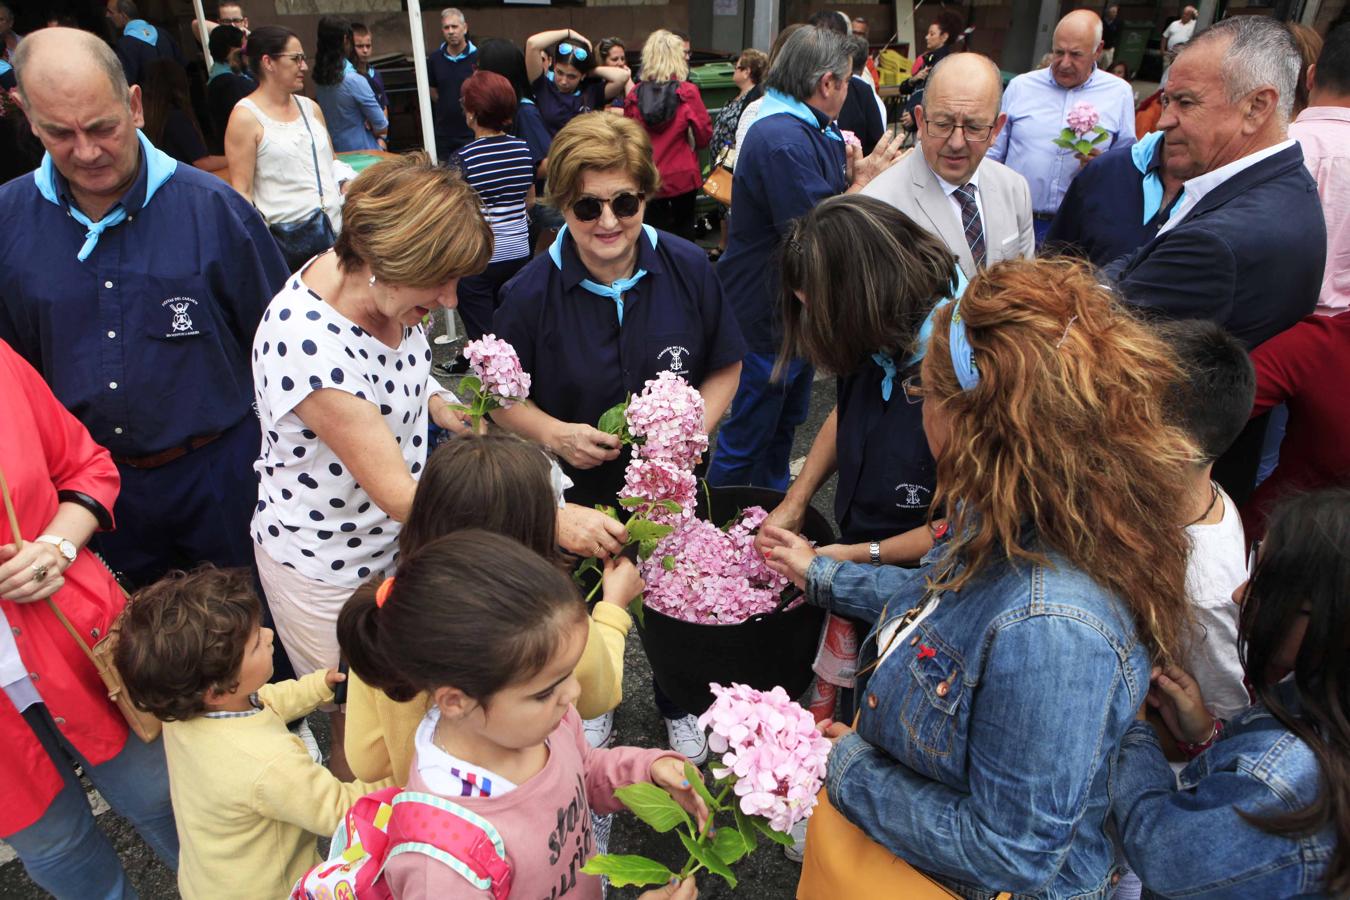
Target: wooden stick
9,511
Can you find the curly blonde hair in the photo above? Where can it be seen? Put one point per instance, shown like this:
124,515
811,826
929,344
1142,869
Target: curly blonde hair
1065,432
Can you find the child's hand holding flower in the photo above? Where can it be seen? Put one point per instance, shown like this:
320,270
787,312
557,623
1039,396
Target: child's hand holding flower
668,774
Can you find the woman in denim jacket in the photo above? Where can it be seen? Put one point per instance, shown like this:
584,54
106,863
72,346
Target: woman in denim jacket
1012,662
1265,811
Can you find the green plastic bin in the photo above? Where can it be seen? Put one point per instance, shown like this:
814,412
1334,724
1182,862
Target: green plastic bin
716,83
1134,38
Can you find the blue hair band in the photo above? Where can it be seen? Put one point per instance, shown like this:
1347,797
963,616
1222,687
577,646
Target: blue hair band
963,357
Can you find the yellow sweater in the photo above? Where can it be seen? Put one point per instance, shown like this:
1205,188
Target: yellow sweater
248,798
379,740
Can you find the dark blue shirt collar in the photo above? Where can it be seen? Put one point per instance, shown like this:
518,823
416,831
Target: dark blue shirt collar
574,270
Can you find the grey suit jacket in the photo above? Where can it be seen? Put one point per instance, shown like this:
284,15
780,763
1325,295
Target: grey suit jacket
911,187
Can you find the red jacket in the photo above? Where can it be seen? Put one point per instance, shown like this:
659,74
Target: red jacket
44,449
675,159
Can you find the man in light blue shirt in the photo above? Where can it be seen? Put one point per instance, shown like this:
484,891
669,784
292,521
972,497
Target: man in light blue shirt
1037,104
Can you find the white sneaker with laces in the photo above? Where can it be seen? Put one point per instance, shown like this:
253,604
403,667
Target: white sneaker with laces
599,730
798,848
687,739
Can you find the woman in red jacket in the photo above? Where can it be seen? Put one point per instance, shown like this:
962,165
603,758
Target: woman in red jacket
671,110
54,712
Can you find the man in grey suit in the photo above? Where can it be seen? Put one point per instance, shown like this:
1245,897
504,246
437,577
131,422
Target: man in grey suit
979,208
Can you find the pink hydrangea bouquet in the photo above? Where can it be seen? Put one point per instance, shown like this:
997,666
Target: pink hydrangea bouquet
771,768
498,381
1079,124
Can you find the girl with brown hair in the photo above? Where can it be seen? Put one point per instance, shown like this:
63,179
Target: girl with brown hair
998,678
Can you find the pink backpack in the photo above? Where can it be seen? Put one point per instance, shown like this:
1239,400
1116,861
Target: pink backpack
392,821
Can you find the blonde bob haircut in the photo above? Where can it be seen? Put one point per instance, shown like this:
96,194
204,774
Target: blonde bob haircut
1064,445
663,57
598,142
413,223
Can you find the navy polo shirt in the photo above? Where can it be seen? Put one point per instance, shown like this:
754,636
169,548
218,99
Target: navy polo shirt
557,108
135,54
583,362
886,473
447,75
1102,215
784,168
147,341
529,127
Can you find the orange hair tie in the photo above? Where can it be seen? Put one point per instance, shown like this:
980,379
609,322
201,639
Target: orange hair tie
382,592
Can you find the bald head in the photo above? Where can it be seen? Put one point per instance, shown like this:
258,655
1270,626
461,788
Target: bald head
964,90
1077,45
966,74
67,57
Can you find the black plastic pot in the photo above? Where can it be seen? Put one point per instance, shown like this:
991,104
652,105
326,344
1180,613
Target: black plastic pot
774,649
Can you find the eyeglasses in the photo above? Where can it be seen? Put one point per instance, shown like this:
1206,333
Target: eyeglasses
239,21
297,58
976,134
913,388
625,206
577,53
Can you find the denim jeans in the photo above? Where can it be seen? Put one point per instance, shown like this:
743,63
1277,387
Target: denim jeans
64,851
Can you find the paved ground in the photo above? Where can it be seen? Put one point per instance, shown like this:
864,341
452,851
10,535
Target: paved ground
767,874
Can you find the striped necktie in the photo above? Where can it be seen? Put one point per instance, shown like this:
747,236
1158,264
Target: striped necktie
971,222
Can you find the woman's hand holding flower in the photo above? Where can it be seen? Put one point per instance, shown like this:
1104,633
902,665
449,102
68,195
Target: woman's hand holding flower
589,532
583,446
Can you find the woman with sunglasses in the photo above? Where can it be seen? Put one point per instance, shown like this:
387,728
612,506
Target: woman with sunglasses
1264,808
610,305
999,677
277,141
565,77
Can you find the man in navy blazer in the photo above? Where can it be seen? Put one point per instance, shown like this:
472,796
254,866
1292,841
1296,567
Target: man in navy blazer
1246,243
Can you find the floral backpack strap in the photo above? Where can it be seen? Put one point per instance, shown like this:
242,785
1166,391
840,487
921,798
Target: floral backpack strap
449,833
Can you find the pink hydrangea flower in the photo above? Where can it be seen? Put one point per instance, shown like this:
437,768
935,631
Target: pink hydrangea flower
498,367
656,479
850,139
1082,118
772,747
668,416
715,577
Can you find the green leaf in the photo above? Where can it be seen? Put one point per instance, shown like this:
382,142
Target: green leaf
669,505
668,563
745,826
776,836
708,857
647,548
653,806
695,779
470,384
608,510
614,420
729,845
1068,134
635,609
624,870
630,502
645,530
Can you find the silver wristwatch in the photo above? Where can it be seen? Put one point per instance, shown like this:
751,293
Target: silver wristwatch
874,551
65,547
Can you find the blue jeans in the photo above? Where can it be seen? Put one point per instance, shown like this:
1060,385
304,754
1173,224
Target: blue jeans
755,442
64,851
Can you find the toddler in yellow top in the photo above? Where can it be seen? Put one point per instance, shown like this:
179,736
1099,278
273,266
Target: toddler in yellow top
248,797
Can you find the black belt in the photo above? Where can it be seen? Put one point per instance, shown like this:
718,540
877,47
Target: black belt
164,457
1042,217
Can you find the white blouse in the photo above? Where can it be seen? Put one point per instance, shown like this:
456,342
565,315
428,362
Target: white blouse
312,515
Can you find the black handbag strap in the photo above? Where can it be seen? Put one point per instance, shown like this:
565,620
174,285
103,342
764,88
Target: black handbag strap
314,150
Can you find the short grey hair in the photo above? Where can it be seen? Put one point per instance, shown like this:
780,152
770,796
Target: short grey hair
808,55
1261,53
450,12
99,53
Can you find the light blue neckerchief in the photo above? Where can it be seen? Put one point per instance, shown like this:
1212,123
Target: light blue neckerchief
160,167
777,102
217,69
5,67
348,68
468,48
959,282
142,30
1141,152
613,291
888,379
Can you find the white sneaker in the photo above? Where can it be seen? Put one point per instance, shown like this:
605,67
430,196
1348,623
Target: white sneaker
599,730
442,339
687,739
798,848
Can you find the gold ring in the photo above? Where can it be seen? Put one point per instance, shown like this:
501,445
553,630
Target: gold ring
39,572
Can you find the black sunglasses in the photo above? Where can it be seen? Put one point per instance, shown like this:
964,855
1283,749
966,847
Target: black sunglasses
625,206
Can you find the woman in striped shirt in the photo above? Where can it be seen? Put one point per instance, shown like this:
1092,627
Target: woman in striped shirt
500,168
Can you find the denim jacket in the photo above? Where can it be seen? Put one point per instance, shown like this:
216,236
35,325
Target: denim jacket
1190,842
984,742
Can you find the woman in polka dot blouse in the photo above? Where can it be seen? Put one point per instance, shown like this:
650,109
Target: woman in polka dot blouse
342,376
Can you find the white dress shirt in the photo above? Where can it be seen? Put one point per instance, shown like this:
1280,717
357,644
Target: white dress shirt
1195,189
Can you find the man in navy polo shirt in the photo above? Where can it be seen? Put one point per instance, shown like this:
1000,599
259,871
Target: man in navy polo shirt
138,42
447,69
135,286
793,157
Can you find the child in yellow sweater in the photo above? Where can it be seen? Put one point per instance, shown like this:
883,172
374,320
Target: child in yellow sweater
504,485
247,796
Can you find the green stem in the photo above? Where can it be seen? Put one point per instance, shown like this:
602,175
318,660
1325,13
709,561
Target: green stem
707,493
597,587
726,789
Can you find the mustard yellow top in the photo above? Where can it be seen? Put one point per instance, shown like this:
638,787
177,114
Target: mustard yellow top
379,739
249,799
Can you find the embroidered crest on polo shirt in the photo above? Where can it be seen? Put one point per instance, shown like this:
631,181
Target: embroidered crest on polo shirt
912,495
180,321
677,355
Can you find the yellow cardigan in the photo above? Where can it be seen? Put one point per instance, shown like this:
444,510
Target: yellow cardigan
379,739
248,798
